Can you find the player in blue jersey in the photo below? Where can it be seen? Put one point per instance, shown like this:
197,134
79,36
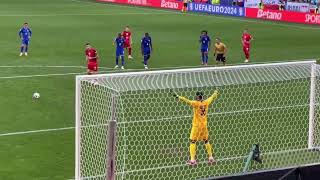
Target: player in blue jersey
119,42
205,42
25,35
146,49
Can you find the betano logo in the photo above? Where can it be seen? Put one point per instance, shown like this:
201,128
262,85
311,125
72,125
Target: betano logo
168,4
269,15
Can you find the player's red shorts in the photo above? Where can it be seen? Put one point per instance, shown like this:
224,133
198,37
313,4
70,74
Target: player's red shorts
93,66
127,44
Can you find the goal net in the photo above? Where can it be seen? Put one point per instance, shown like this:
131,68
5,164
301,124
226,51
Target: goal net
129,126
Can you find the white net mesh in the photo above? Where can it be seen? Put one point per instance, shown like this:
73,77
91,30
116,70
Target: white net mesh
264,104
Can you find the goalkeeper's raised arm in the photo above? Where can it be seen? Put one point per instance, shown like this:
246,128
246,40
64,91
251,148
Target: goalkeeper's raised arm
199,96
190,102
213,97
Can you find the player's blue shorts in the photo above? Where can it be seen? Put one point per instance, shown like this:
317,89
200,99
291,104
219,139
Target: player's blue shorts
25,42
120,52
146,52
204,49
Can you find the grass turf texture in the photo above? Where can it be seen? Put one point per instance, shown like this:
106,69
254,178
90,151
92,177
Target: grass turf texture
60,30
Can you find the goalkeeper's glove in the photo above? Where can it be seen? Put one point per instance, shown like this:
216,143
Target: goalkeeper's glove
174,94
216,92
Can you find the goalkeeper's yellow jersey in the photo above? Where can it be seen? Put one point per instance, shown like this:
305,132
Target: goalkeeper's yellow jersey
200,110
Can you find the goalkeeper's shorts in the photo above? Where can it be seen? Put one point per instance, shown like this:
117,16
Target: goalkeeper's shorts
199,134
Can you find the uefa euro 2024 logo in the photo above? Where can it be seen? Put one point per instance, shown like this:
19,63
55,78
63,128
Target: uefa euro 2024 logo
190,7
240,11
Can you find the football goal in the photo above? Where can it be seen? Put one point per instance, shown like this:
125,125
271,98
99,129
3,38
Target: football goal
129,126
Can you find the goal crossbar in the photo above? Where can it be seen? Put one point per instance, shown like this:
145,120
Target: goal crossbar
195,69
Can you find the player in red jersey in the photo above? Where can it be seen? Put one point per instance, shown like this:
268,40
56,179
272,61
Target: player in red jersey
246,42
92,59
128,41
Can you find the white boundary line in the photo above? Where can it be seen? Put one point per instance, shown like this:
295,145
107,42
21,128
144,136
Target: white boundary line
40,66
219,113
36,131
114,71
202,162
49,66
39,75
165,71
67,128
171,67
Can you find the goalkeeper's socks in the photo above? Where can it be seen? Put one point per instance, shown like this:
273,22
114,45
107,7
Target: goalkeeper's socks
193,149
209,149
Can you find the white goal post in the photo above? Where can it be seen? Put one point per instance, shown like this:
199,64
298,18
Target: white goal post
129,126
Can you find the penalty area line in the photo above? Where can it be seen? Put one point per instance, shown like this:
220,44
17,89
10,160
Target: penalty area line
36,131
41,66
112,70
47,75
39,75
49,66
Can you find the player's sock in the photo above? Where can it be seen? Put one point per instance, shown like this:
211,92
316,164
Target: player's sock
247,55
193,149
203,58
26,49
206,58
209,149
129,51
117,60
145,60
122,60
21,49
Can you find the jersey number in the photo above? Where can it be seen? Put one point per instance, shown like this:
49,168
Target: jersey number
202,110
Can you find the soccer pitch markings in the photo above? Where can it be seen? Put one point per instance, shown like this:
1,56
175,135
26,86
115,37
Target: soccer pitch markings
112,70
23,133
163,119
83,67
218,160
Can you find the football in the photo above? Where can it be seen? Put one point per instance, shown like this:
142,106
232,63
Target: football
36,95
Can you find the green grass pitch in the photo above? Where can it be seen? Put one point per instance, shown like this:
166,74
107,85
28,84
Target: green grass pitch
60,30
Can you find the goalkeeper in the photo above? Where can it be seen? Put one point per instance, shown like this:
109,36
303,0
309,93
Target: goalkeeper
199,130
